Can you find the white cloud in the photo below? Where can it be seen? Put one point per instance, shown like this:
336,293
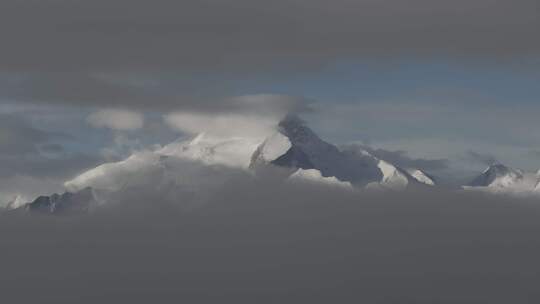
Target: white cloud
222,125
254,116
116,119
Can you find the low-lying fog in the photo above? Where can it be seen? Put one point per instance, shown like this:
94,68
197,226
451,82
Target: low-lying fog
279,244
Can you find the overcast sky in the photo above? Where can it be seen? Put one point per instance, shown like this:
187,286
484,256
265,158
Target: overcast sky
83,82
447,86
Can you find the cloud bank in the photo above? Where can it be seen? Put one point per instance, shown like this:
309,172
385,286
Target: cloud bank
258,242
254,116
246,35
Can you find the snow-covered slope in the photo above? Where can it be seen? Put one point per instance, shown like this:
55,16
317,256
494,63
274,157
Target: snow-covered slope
235,152
114,176
272,148
422,177
147,165
392,176
189,169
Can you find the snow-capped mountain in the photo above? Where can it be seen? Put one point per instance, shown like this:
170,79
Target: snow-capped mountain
297,147
292,147
499,178
498,175
204,163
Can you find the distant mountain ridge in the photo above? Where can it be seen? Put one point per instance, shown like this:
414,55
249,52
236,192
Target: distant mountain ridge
67,203
499,178
294,151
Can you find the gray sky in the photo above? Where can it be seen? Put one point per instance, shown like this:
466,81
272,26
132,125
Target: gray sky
242,35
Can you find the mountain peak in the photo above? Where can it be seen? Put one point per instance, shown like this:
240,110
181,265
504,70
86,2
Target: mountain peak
306,150
497,174
292,119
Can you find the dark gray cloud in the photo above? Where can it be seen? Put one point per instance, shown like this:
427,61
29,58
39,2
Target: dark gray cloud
76,89
244,35
152,94
297,245
110,52
401,159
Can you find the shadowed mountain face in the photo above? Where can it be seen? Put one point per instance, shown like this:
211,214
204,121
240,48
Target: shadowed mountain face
294,158
309,151
67,203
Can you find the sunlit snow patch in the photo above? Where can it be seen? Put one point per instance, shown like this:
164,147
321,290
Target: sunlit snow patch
421,177
314,176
